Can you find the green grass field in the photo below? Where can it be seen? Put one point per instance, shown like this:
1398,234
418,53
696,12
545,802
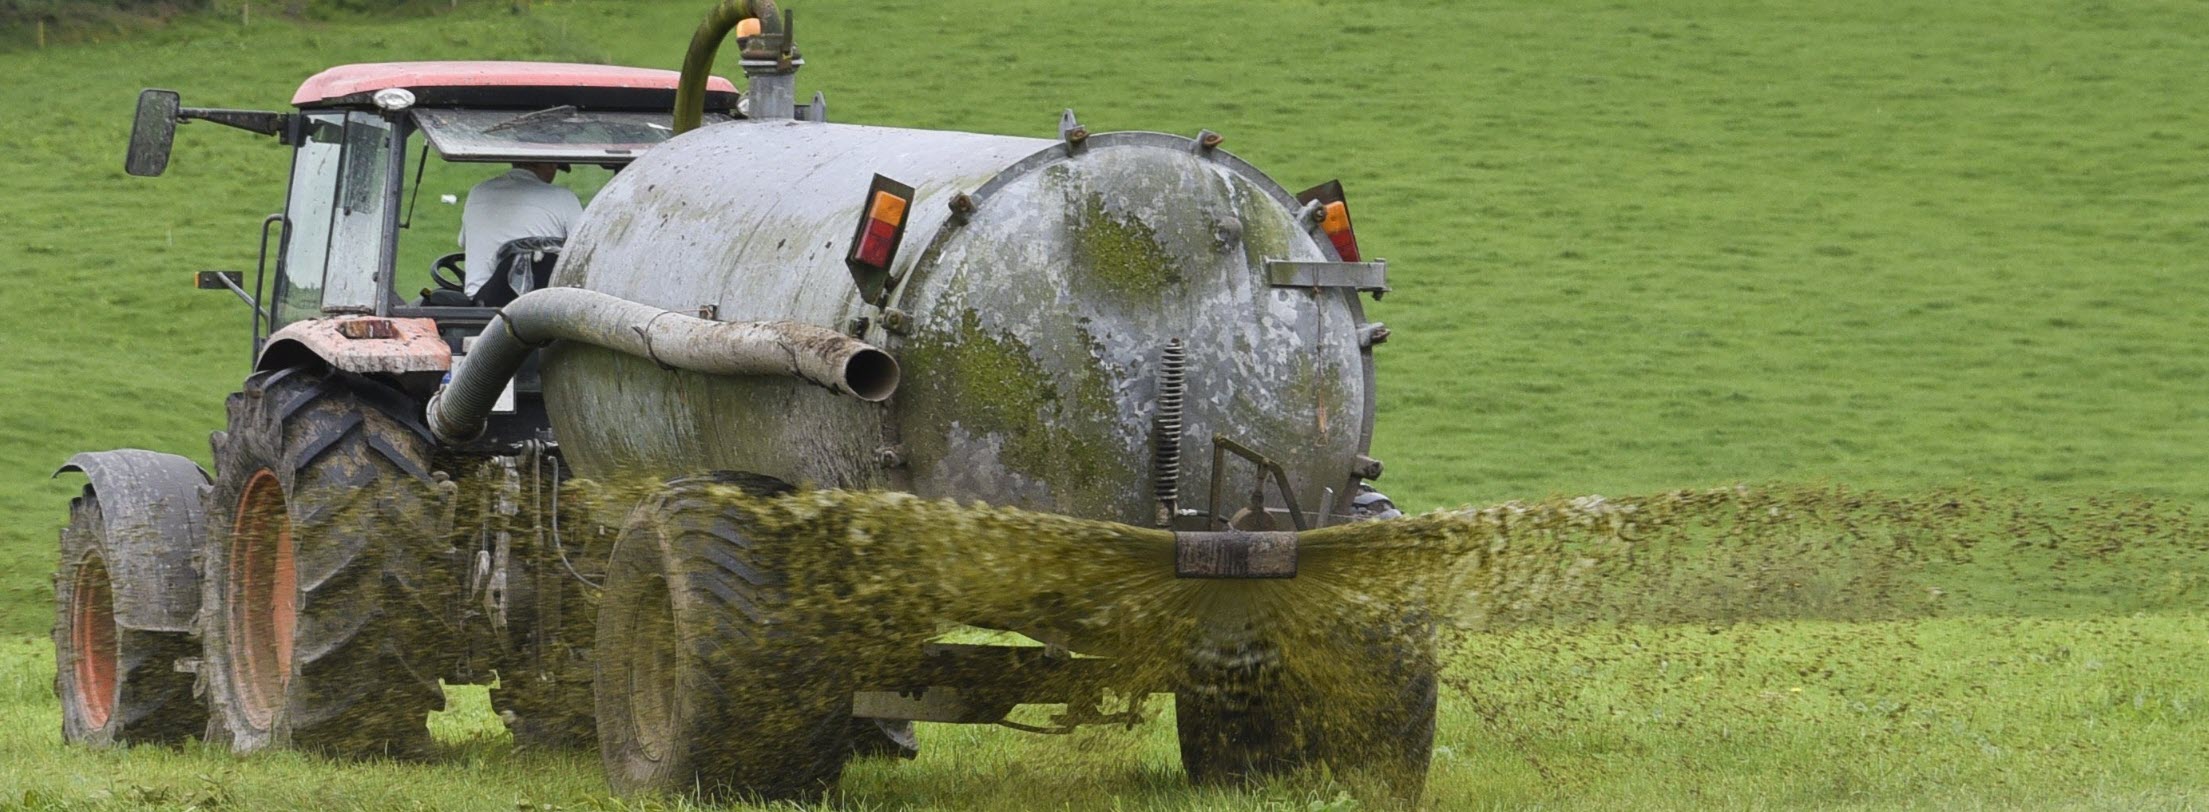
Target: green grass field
1636,246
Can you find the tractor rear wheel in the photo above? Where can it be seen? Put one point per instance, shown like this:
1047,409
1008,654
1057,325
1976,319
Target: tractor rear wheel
1244,717
115,673
319,613
697,689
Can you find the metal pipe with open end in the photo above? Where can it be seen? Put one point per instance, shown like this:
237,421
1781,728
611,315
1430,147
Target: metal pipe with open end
810,353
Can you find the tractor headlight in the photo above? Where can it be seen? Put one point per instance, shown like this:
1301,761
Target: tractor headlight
394,99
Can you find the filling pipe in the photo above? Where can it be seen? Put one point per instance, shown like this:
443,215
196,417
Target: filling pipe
813,354
690,90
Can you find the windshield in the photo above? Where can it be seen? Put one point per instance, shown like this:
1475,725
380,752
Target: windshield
473,146
562,134
434,199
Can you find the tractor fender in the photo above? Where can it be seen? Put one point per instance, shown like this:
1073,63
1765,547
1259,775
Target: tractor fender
362,345
156,517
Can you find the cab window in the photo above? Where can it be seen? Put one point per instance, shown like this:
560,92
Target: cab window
357,224
298,288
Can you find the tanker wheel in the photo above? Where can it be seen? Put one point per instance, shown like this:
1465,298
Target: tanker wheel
697,691
318,616
1242,717
117,682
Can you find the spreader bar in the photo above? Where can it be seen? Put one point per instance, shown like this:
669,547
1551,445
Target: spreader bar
1235,554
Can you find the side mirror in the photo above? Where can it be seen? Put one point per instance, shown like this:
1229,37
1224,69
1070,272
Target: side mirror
152,133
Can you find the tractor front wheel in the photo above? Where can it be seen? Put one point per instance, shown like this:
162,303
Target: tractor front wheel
115,650
319,611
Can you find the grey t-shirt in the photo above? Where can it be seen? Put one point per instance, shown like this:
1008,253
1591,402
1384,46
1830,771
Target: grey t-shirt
507,208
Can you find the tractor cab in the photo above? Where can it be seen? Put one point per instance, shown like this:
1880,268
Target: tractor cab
371,221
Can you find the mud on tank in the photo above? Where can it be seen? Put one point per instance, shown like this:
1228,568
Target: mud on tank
1035,290
1135,328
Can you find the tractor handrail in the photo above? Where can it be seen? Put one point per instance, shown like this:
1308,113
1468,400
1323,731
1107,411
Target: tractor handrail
260,275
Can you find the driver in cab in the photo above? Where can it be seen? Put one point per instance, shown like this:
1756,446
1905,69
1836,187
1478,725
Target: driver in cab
520,204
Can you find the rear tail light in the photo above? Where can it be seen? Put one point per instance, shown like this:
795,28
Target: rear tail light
1334,218
878,237
881,229
881,225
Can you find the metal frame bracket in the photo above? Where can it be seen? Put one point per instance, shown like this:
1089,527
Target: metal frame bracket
1071,131
1221,447
1369,277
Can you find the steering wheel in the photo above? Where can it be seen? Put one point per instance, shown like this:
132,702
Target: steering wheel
447,274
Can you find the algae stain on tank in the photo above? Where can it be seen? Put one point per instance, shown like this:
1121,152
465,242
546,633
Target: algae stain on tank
1121,254
1263,232
1002,406
1147,232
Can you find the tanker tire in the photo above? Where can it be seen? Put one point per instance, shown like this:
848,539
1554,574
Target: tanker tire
319,613
117,684
697,692
1240,720
1226,719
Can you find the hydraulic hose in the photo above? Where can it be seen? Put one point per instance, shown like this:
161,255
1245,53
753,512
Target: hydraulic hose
690,91
816,355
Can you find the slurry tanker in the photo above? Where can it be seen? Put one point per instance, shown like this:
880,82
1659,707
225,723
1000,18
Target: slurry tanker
1127,327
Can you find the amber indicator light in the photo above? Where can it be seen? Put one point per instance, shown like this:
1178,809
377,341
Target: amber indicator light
1334,218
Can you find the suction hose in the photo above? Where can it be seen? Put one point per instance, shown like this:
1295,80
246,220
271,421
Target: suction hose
816,355
690,91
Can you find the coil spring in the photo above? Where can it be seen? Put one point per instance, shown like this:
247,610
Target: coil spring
1173,387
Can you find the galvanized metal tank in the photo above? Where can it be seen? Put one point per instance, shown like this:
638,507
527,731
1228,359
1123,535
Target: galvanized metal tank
1030,329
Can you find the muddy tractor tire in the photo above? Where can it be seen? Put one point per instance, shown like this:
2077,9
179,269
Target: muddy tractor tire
124,597
320,610
1243,718
698,688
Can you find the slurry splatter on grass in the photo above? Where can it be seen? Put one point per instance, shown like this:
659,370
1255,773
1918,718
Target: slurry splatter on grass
1339,665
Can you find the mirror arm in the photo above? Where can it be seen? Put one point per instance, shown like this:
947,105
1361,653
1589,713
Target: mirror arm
258,121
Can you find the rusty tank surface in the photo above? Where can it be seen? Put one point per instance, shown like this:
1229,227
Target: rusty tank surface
1037,289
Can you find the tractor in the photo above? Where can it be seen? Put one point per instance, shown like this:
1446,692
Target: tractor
758,298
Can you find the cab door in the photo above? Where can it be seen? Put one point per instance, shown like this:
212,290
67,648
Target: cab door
337,218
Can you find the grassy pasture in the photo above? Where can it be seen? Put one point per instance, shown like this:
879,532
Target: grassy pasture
1635,247
1960,713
